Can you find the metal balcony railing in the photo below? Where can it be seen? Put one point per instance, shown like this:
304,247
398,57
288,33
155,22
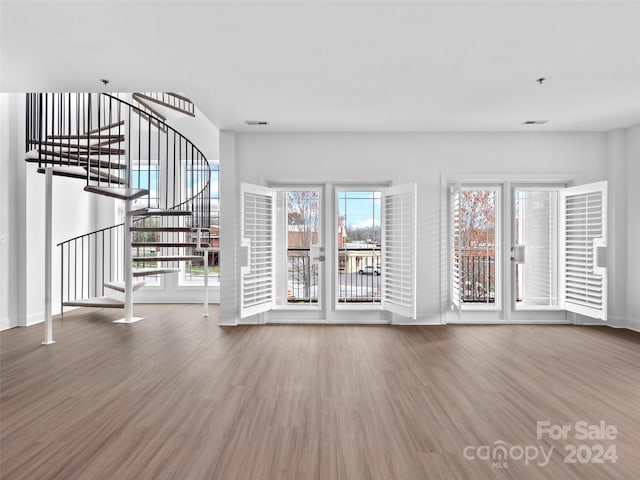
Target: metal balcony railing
302,277
478,277
358,276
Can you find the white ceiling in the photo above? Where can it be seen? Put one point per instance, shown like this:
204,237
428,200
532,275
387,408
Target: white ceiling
343,66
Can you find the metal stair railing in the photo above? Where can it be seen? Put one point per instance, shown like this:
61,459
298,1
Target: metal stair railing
106,137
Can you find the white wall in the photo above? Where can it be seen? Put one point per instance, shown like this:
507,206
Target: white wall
73,215
22,221
401,158
11,208
633,227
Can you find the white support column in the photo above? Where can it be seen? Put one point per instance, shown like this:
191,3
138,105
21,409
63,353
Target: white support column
48,257
205,312
128,269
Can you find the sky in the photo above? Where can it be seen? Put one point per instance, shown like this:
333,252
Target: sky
360,209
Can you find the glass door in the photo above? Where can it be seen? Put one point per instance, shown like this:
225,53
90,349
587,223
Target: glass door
534,252
298,282
359,248
476,249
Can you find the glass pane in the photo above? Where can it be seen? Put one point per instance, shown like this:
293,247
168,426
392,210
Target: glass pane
477,246
359,259
302,210
536,217
193,272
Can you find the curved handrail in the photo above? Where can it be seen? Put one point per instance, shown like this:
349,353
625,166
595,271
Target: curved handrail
176,132
90,233
156,119
183,162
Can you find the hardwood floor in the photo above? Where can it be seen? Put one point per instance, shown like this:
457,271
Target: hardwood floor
175,396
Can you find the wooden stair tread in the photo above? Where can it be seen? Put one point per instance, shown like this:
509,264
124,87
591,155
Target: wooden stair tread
148,272
107,127
146,98
168,258
100,302
119,193
181,97
119,286
168,244
95,148
80,173
160,229
92,136
71,160
147,212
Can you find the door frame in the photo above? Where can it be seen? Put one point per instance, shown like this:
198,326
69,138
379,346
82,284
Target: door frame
557,187
507,313
281,262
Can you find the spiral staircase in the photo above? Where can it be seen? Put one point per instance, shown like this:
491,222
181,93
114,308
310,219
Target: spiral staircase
122,147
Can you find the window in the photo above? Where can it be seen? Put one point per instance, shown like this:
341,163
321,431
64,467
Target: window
192,273
147,177
475,248
359,247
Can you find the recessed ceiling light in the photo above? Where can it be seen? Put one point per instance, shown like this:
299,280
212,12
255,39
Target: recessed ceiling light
534,122
256,122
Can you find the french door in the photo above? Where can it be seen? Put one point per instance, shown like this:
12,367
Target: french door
285,257
556,261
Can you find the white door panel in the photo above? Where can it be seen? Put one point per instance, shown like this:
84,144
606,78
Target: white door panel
257,237
399,250
455,290
584,238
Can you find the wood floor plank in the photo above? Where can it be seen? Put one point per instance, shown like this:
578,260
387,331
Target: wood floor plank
176,397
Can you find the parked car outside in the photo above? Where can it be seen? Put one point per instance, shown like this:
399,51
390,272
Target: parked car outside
370,270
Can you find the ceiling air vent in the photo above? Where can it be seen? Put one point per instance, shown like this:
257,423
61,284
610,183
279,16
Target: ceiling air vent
534,122
256,122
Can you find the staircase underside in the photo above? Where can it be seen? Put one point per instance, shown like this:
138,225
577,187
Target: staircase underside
168,244
119,193
168,258
95,175
150,272
148,212
99,302
161,229
119,286
63,159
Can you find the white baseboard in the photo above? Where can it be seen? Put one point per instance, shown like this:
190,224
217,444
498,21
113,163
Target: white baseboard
35,318
511,322
5,324
633,324
628,324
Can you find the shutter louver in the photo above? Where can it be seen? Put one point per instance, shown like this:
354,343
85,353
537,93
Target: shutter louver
585,282
399,250
456,290
257,235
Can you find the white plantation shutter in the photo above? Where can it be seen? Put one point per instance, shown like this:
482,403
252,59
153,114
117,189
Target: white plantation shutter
454,238
584,212
399,250
257,227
